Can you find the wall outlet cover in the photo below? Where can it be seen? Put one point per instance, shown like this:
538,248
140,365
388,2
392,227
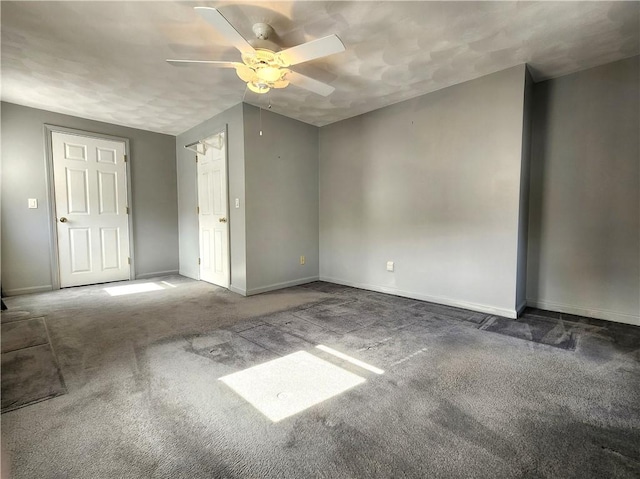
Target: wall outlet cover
389,265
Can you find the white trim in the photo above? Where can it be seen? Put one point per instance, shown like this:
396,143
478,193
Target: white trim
482,308
51,200
158,273
241,291
226,172
189,274
30,290
588,312
286,284
51,195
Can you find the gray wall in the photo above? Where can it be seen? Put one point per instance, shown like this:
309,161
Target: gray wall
584,245
432,184
282,200
25,232
188,200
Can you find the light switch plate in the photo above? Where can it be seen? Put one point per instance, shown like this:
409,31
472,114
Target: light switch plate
237,202
33,202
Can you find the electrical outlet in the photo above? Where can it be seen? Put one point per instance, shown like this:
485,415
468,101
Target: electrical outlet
389,265
302,260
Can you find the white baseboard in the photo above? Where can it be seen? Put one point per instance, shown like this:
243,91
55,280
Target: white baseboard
286,284
233,289
157,273
588,312
193,274
481,308
30,290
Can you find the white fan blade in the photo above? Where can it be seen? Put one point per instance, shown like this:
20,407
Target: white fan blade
181,63
321,47
222,25
310,84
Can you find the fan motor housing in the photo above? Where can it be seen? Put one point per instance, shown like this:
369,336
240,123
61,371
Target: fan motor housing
263,31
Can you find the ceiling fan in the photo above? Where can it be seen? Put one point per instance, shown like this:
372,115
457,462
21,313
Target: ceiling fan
264,65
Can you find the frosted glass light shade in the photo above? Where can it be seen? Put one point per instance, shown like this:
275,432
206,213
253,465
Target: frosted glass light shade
269,74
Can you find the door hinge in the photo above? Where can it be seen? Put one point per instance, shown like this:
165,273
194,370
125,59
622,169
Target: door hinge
197,210
198,260
196,158
128,260
127,209
125,158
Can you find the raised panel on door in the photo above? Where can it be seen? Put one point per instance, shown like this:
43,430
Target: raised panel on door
216,192
204,193
73,151
206,250
217,248
108,192
77,191
110,248
106,155
80,250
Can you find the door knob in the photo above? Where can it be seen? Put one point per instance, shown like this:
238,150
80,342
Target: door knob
63,220
222,220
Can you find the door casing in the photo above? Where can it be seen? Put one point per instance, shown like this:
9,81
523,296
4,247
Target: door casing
53,236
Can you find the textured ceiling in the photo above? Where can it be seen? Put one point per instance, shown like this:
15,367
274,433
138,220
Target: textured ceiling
106,60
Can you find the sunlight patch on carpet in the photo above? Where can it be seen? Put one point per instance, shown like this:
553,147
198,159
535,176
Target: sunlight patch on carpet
133,289
290,384
354,361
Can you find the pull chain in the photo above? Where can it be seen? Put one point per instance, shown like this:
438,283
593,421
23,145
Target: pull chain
260,114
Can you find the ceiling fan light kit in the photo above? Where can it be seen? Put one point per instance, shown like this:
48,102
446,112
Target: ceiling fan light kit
265,65
263,70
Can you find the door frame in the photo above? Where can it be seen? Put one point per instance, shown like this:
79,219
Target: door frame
53,224
225,130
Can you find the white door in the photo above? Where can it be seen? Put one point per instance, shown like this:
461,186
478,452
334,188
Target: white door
212,211
90,184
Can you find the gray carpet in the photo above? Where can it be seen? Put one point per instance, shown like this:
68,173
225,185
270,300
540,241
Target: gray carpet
463,394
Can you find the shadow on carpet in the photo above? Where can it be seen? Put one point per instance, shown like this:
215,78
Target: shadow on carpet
538,330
